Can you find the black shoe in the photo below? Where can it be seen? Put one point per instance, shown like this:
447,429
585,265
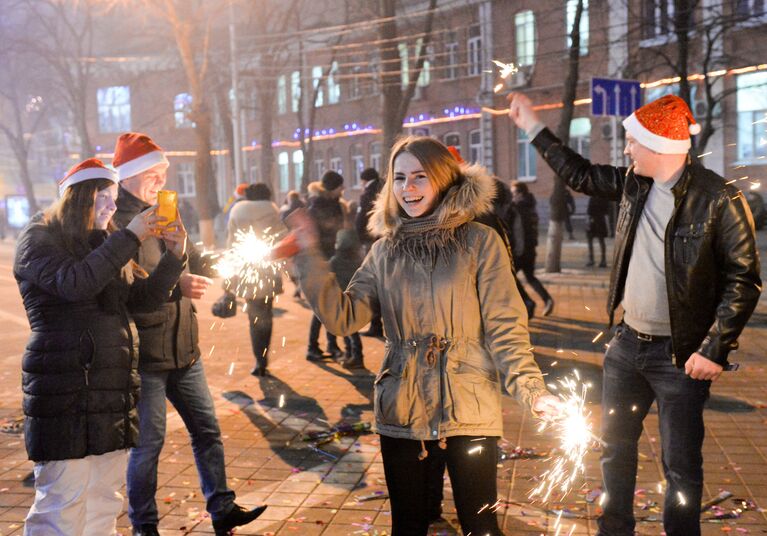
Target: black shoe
548,307
259,371
148,529
353,363
603,264
315,354
530,306
590,263
335,353
236,517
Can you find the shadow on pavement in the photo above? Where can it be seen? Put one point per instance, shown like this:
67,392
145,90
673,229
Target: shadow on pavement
556,369
361,380
726,404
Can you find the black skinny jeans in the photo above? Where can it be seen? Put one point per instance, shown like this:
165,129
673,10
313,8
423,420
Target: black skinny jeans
472,473
526,264
260,321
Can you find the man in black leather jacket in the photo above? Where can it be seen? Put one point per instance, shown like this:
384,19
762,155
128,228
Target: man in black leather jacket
686,273
169,359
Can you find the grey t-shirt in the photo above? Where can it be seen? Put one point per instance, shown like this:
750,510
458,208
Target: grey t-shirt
645,298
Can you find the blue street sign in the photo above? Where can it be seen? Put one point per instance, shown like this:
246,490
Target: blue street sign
615,97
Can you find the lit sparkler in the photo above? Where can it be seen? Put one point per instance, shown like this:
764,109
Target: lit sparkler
506,70
574,430
247,265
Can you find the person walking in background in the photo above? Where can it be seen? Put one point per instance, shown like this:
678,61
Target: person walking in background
597,212
79,378
259,215
570,210
169,359
373,185
292,202
344,263
686,273
524,207
329,215
431,257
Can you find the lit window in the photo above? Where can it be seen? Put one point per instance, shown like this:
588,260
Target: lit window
114,109
404,64
475,146
453,139
317,86
424,79
525,157
336,164
657,18
580,136
746,9
254,173
451,57
319,166
583,28
474,47
752,116
283,164
295,90
298,168
375,155
282,104
182,105
524,22
355,83
357,160
334,88
185,176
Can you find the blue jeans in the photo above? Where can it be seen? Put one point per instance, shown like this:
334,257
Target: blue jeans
188,391
636,373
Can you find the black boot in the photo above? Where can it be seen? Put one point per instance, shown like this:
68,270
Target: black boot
236,517
316,354
147,529
354,362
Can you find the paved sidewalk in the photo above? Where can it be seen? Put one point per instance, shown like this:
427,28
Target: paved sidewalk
316,492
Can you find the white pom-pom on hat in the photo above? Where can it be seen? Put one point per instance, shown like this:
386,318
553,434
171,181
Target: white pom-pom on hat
694,129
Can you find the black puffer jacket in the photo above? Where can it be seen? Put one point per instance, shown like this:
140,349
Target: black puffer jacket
328,213
367,202
168,335
711,261
79,368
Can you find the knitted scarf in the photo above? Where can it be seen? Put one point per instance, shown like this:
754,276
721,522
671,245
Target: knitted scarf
427,239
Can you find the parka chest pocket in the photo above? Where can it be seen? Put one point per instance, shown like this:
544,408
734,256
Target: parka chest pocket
689,238
395,398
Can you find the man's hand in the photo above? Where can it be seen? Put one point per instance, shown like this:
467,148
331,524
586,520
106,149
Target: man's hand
521,111
194,286
702,368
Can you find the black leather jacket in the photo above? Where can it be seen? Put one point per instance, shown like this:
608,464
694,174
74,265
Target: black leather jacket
711,260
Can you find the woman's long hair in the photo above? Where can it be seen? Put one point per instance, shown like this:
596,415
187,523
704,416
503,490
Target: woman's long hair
72,216
439,165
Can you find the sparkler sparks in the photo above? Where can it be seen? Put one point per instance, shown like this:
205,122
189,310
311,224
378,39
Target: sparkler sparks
506,70
573,428
247,265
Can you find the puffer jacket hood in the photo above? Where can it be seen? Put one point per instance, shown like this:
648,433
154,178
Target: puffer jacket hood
471,196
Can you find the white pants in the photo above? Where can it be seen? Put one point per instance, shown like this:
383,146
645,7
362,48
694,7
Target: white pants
78,497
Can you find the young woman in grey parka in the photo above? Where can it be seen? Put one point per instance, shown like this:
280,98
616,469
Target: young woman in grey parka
456,331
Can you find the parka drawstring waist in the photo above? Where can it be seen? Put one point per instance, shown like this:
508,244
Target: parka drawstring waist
434,351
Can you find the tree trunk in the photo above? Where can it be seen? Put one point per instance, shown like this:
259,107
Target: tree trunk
207,199
266,112
557,201
26,181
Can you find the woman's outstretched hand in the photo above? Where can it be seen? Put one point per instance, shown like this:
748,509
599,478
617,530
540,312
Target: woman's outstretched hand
304,228
547,407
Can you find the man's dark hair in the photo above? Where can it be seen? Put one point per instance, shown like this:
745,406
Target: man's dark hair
369,174
258,192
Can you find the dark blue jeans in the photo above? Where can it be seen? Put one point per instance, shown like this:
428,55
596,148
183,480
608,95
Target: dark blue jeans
188,391
636,373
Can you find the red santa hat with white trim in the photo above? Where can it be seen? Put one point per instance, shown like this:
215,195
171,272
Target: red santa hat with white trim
663,125
89,169
136,153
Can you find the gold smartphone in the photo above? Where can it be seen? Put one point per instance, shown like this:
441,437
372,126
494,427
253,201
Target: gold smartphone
167,201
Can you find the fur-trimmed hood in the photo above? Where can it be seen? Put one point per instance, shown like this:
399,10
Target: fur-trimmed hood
471,196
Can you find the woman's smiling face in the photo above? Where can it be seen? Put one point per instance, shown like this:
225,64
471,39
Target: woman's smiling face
413,189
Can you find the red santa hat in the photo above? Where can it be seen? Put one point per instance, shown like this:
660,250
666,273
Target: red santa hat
136,153
663,125
89,169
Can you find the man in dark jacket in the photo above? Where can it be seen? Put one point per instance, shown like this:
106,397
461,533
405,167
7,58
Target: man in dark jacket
686,271
373,185
169,359
328,213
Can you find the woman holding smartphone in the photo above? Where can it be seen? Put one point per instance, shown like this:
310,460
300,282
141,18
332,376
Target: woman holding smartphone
455,325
